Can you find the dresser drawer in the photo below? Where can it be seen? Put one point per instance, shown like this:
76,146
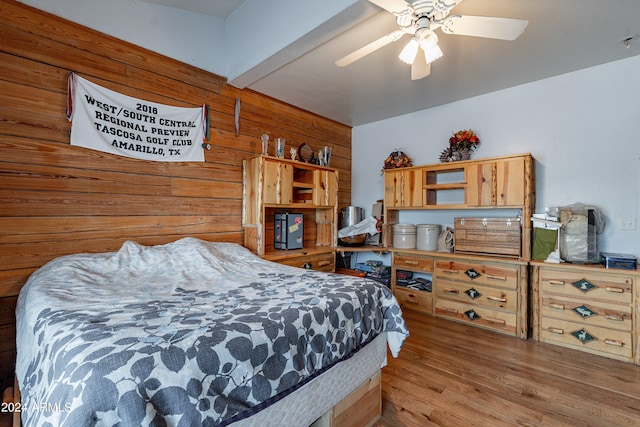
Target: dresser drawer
414,300
588,312
593,339
477,294
504,277
413,262
501,321
320,262
593,285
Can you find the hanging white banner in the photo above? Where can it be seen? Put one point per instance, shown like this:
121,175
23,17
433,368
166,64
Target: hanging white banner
108,121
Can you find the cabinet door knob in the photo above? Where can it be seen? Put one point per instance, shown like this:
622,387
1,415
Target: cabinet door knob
451,291
556,331
556,282
556,306
409,262
502,278
613,342
614,290
615,317
323,263
497,299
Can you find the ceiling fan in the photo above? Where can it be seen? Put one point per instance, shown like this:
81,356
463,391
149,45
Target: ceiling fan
421,18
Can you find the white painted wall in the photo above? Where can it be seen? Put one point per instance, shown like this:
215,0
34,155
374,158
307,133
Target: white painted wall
582,128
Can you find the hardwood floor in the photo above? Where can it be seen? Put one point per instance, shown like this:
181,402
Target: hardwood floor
450,374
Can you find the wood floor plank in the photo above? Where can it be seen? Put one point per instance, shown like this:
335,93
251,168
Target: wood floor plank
451,374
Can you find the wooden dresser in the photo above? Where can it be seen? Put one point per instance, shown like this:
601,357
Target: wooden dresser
485,283
588,308
486,293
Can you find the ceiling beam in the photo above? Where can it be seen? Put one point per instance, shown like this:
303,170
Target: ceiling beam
262,36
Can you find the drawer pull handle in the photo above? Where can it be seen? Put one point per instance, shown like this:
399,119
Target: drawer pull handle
615,317
412,299
613,342
323,263
556,282
556,306
497,299
450,271
502,278
451,291
496,321
450,310
409,262
556,331
614,290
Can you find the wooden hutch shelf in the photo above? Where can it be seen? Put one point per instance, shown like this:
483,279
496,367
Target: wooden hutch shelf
273,186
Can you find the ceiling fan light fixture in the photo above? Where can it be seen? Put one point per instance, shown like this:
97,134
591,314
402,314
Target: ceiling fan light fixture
408,54
429,43
432,54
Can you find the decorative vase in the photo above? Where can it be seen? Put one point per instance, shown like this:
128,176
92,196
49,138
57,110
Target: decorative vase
464,154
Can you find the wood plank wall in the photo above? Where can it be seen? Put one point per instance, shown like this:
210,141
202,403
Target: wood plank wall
56,199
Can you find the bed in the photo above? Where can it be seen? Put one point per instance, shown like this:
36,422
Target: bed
195,333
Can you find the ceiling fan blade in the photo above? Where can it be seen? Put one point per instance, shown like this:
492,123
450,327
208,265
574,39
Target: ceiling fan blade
393,6
485,26
420,69
371,47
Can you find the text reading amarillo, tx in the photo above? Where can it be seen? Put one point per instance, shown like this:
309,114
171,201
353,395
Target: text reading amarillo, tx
111,122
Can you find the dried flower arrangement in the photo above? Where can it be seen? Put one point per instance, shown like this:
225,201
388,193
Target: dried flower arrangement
461,146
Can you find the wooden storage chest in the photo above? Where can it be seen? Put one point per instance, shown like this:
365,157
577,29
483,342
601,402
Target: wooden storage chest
490,236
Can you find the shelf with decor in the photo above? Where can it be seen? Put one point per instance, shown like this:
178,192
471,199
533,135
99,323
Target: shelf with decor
496,183
492,185
275,186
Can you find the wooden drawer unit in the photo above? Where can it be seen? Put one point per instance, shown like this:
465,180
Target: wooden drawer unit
320,262
414,300
480,316
404,261
596,313
363,407
592,339
505,299
478,273
485,294
594,286
587,307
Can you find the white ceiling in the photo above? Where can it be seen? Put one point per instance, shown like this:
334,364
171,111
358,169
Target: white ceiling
562,36
219,8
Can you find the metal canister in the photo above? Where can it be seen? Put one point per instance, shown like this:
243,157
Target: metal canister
351,215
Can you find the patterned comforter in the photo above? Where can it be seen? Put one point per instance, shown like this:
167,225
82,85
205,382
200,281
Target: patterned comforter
188,333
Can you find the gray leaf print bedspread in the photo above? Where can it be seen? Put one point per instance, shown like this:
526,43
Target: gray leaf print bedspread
187,333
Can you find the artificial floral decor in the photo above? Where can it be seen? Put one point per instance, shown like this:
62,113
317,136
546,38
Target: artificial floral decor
397,159
461,146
